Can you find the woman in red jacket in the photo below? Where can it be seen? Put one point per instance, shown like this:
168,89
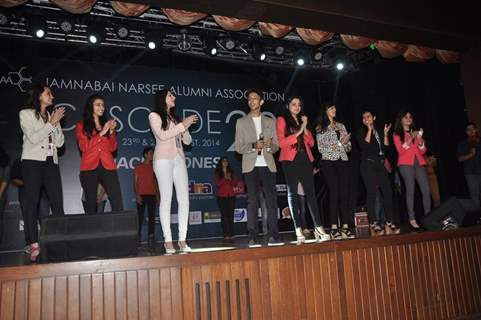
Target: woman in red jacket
225,183
97,142
295,142
411,162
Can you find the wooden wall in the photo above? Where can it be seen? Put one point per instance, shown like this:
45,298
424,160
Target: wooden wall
422,276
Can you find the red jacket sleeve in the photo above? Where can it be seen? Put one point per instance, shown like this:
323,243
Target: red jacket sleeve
308,138
281,131
399,145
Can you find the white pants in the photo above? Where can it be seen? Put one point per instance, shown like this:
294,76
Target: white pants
169,173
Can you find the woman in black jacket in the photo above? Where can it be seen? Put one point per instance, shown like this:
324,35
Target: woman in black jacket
374,173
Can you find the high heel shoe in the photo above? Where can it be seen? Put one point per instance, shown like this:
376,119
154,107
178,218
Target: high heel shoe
300,236
390,228
34,252
321,235
169,249
183,247
376,230
414,225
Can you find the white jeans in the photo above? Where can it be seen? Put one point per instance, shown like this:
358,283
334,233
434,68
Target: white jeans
169,173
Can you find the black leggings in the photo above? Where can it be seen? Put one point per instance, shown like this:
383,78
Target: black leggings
300,170
109,180
336,174
375,176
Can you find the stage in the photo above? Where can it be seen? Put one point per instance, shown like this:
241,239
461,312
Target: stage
428,275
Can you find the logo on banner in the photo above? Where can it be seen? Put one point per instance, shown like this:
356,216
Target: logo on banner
199,188
240,215
211,216
281,187
16,78
195,217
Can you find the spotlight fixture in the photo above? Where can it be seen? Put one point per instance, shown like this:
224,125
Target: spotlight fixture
340,66
210,47
279,50
317,55
153,39
66,26
259,53
37,27
151,45
122,31
229,44
300,58
3,18
95,33
185,41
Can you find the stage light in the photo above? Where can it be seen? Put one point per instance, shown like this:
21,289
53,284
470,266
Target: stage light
122,32
185,41
279,50
96,33
66,26
36,27
317,55
210,47
151,45
340,66
259,53
301,58
153,39
230,44
3,19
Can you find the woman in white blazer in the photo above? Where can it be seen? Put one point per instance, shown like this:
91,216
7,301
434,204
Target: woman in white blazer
42,135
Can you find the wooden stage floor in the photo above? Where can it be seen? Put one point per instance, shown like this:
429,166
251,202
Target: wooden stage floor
429,275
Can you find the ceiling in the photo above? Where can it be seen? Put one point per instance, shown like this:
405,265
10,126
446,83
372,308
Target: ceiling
436,24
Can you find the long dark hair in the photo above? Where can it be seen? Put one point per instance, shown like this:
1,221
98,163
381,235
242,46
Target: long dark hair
34,94
398,128
88,116
219,173
160,107
323,120
291,125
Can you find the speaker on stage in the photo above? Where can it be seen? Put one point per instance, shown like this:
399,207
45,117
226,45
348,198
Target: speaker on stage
452,214
88,236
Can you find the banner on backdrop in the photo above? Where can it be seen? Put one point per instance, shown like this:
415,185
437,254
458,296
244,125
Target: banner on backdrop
217,99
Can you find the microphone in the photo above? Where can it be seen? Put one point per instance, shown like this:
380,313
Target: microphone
261,138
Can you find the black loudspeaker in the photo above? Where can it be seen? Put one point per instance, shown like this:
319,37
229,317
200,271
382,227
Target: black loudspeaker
93,236
452,214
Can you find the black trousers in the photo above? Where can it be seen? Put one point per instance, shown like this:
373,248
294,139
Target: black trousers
300,170
336,174
261,176
149,202
226,207
109,180
38,174
375,176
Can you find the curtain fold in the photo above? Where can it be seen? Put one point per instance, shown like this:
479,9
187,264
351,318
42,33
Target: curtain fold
356,42
274,29
314,37
233,24
183,17
129,9
418,53
75,6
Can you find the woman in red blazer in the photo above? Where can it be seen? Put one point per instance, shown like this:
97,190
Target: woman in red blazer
295,142
97,142
411,162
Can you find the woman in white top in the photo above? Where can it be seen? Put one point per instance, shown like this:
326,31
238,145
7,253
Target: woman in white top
42,135
169,165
